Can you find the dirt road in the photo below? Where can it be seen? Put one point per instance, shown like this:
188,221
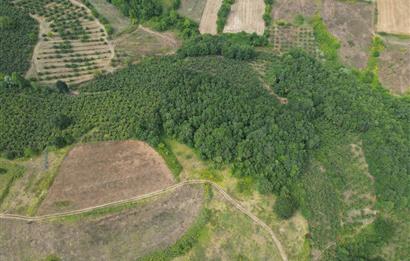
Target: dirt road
226,196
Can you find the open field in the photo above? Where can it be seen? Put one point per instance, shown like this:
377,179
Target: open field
116,18
394,67
192,9
72,46
116,234
288,9
209,17
94,174
246,15
352,24
132,47
393,16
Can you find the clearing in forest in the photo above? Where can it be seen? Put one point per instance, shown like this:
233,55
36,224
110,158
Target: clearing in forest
73,44
209,17
393,16
117,20
246,16
352,24
94,174
108,233
192,9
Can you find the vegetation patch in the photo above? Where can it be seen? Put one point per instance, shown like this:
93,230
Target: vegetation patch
223,14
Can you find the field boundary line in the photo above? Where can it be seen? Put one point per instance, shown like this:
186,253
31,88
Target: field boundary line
225,195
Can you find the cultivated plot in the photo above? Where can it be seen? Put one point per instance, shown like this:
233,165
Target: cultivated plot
393,16
352,24
209,17
246,16
117,20
72,46
94,174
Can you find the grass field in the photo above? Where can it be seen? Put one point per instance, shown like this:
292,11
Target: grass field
246,16
94,174
393,16
192,9
116,19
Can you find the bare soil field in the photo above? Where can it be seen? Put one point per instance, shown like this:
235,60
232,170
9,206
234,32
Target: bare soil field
72,46
393,16
192,9
209,17
288,9
394,67
352,25
247,16
142,42
126,235
94,174
117,20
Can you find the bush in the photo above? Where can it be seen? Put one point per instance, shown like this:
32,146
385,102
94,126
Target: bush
285,205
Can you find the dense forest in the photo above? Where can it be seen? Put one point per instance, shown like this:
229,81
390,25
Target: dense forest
18,36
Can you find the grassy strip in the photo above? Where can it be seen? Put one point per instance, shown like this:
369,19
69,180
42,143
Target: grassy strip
101,18
185,243
328,44
170,159
267,17
15,172
223,14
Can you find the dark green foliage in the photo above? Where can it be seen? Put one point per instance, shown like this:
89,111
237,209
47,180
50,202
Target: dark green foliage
62,87
3,171
267,15
18,36
285,205
62,121
223,14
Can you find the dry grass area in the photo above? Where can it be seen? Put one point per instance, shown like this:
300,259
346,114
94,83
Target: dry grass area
116,234
28,191
288,9
393,16
132,47
352,24
94,174
192,9
209,17
247,16
72,46
394,67
117,20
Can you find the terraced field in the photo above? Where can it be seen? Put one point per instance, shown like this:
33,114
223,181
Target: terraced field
73,45
287,37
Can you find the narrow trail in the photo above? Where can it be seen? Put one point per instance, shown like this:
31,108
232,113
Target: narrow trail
226,196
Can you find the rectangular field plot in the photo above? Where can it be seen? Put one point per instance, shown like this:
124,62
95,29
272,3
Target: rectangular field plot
247,16
192,9
393,16
209,17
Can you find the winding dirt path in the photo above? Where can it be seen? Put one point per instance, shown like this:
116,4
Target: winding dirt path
226,196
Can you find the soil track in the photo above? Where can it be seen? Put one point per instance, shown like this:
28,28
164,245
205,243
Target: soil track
225,195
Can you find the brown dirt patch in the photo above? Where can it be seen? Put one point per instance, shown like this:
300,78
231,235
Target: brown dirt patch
394,67
192,9
126,235
94,174
352,24
288,9
246,16
393,16
209,17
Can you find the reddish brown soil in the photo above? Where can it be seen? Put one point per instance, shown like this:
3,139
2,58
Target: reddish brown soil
288,9
94,174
